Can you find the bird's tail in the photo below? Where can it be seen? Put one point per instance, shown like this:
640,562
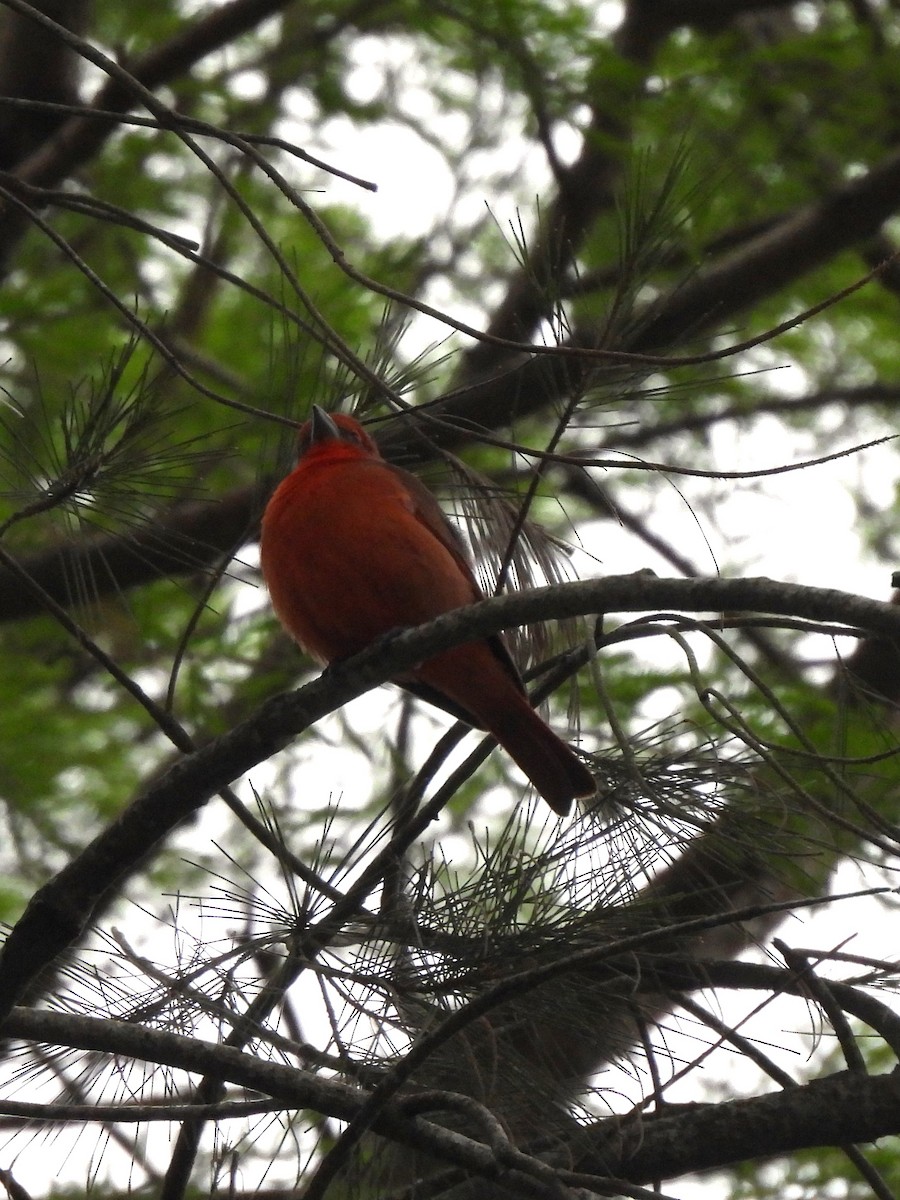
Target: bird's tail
551,765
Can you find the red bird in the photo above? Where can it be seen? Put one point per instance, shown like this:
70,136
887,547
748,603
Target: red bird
353,548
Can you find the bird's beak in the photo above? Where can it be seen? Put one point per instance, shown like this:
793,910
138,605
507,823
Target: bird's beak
322,428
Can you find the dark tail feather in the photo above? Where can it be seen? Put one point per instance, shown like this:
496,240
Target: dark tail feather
549,763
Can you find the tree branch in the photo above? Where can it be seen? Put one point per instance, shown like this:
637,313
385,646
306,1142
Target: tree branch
59,911
181,541
841,1108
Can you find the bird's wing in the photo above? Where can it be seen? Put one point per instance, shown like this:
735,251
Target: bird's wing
430,514
427,510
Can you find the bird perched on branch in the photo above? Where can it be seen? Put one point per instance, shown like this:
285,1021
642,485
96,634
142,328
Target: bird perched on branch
353,548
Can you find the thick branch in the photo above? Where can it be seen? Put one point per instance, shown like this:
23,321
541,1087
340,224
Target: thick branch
800,243
81,137
587,187
834,1111
842,1108
297,1089
59,911
36,65
187,539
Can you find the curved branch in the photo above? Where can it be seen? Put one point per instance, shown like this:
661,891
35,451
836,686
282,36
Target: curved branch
841,1108
59,911
297,1089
